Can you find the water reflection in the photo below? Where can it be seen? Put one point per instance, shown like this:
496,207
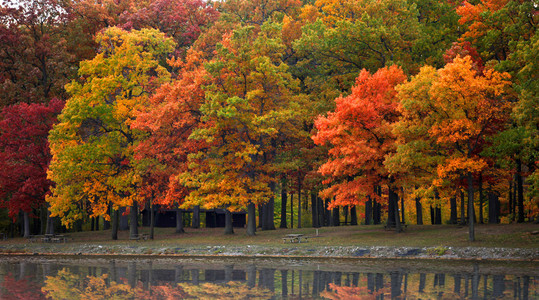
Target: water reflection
204,278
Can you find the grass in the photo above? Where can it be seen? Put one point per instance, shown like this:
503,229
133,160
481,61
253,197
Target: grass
507,236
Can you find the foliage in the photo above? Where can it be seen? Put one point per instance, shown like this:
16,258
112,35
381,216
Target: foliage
25,155
35,62
182,20
250,104
359,135
230,290
172,114
93,144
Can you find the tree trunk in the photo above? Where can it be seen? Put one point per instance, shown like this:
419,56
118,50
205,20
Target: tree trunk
299,203
432,216
353,215
124,223
97,223
462,209
481,198
133,220
270,220
251,219
395,200
43,213
470,207
403,218
493,208
377,207
262,211
336,216
511,204
92,223
115,223
283,204
106,224
453,208
26,224
437,209
196,217
419,211
321,212
391,210
438,214
368,211
520,190
291,210
327,214
229,229
345,211
179,221
314,210
152,221
50,224
331,218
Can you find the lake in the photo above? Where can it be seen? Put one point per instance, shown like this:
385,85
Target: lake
35,277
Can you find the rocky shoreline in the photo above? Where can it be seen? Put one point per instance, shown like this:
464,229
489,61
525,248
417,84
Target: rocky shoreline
288,250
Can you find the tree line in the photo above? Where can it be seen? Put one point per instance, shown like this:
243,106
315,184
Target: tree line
176,104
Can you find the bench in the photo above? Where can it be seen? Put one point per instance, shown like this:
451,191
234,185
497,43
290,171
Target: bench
138,237
295,238
60,238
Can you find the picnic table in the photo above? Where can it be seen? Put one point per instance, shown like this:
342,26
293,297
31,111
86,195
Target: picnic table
49,238
53,238
295,238
138,237
392,226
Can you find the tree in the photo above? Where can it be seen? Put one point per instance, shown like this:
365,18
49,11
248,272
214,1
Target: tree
172,114
35,62
250,103
359,136
25,156
182,20
457,108
93,145
495,26
416,155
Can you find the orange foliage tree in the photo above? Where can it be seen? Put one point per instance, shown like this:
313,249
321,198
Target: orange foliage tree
460,107
170,117
359,135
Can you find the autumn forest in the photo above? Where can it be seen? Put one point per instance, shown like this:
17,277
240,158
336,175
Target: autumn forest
363,111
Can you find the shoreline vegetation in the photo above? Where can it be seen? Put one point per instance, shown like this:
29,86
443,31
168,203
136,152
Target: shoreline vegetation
514,242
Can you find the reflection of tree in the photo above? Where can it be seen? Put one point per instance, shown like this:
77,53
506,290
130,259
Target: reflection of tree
347,293
67,285
231,290
11,289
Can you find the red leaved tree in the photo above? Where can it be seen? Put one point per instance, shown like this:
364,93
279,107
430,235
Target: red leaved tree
25,156
359,135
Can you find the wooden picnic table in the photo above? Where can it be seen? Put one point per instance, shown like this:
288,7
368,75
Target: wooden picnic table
49,238
295,238
138,237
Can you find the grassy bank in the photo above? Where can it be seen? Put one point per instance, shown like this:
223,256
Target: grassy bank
506,236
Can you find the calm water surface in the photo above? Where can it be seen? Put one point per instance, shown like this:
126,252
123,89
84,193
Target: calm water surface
261,278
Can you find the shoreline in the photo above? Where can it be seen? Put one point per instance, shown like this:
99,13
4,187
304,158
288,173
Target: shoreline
296,251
